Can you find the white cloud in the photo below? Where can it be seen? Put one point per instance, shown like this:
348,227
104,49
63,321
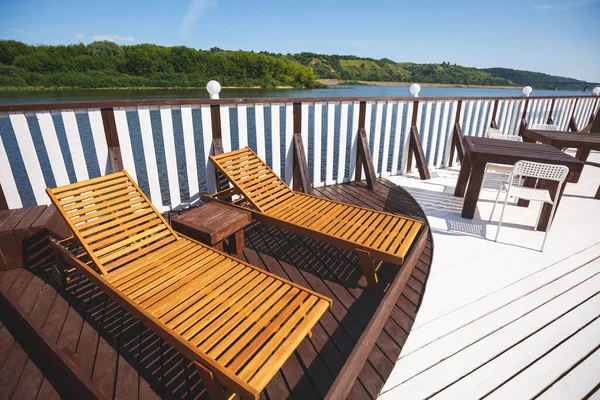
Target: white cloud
194,11
79,36
114,38
547,7
567,5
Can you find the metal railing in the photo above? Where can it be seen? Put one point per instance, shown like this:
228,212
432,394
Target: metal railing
165,144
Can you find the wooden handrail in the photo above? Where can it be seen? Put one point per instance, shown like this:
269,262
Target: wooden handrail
226,101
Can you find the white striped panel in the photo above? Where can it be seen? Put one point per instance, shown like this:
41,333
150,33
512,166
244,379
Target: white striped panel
467,126
460,119
207,142
166,119
450,132
259,119
75,147
57,162
587,114
425,131
488,122
97,126
225,128
125,142
304,127
516,119
559,112
190,152
386,138
571,112
330,143
150,155
442,133
343,139
30,158
242,118
353,143
477,120
484,119
397,136
539,112
509,118
435,133
406,142
377,134
578,112
317,144
7,181
564,122
289,145
505,112
275,139
530,111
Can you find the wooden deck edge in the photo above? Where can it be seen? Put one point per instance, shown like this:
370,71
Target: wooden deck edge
345,380
55,364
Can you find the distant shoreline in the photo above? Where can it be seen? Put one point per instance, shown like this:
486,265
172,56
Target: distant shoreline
335,82
69,88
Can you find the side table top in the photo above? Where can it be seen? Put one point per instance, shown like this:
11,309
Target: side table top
213,220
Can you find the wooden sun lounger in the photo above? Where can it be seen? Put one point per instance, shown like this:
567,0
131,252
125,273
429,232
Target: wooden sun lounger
238,323
372,235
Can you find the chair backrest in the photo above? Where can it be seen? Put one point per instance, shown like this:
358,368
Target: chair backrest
544,127
113,219
253,178
492,131
512,138
537,170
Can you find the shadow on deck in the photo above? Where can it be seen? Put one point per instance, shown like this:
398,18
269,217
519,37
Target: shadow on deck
124,359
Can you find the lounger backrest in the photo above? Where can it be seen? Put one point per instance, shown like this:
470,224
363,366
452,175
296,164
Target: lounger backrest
113,219
253,178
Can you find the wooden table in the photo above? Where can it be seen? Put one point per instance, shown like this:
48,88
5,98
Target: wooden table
212,223
583,142
480,151
24,235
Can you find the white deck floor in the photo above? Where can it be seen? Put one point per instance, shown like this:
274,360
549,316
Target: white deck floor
502,319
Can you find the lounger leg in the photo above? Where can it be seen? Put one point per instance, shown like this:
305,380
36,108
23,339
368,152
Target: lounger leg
214,389
368,270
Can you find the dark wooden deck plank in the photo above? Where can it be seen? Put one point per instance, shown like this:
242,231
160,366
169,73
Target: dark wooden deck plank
126,360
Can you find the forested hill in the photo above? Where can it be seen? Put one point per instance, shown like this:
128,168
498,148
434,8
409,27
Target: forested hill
536,79
352,68
106,64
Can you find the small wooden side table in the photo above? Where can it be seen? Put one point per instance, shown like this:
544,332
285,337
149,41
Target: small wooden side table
213,222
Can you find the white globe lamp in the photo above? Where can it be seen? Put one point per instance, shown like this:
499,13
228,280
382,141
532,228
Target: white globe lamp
213,88
415,88
527,90
596,90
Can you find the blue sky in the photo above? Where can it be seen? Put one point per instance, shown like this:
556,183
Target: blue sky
558,37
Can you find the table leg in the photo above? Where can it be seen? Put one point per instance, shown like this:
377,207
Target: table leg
598,193
218,245
528,182
472,195
581,155
552,186
463,177
236,242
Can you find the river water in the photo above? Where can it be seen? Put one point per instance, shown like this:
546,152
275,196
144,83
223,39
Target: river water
48,96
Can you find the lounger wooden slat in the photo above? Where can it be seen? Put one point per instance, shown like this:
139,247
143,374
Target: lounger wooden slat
351,227
189,294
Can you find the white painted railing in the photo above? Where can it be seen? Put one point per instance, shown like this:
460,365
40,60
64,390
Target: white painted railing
165,145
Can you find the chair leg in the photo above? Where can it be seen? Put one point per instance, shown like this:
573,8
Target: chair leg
537,220
214,389
501,216
495,202
549,225
368,270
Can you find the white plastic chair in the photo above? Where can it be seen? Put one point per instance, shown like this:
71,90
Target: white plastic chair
493,133
514,188
544,127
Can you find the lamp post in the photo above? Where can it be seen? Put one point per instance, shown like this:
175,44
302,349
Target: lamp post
527,90
596,90
415,88
213,88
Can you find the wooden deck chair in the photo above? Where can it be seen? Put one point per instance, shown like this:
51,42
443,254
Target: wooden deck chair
372,235
238,323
